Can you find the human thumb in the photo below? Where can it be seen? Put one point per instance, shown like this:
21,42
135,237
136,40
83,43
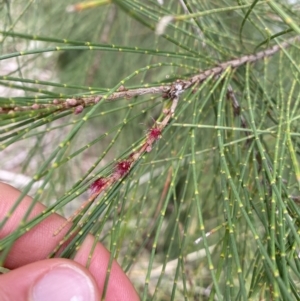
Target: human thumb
50,279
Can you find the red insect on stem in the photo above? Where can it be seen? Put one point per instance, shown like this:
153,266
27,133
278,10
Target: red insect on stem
95,188
97,185
123,167
155,133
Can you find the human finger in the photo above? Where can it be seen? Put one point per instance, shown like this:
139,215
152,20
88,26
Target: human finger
47,280
38,243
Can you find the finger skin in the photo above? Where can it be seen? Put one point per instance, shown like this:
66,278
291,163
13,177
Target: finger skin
17,284
38,243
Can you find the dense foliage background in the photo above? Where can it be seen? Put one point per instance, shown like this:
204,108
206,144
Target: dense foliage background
212,211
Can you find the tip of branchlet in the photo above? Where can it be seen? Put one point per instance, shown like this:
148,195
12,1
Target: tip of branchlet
162,24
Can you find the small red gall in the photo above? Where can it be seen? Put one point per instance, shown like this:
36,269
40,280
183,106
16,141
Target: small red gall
97,99
148,148
122,89
71,102
35,106
97,185
155,133
78,109
123,167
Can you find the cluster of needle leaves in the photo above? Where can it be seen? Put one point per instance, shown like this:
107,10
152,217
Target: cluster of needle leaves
186,167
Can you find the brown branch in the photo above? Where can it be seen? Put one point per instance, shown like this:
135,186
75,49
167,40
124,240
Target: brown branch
166,91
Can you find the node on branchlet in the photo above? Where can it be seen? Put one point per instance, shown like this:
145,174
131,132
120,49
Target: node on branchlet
166,111
134,156
123,167
97,185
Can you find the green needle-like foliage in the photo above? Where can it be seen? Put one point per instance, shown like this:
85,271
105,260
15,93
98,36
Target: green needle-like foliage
197,191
